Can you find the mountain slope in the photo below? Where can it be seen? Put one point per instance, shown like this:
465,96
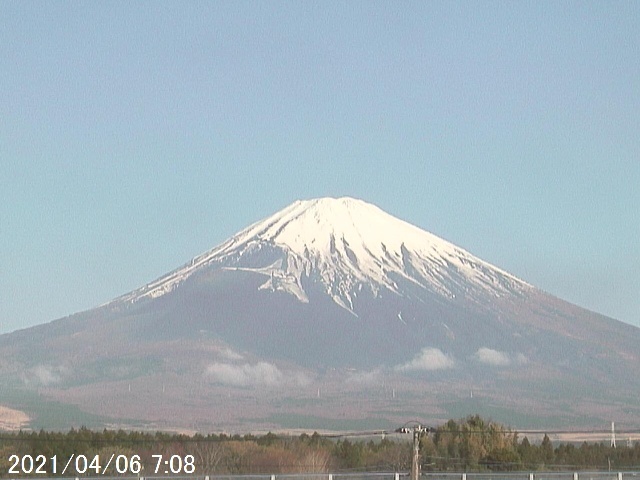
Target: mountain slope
334,294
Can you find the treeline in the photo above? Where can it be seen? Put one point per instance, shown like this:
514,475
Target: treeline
470,444
475,444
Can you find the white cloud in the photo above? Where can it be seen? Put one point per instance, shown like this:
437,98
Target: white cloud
488,356
45,375
228,354
428,359
262,374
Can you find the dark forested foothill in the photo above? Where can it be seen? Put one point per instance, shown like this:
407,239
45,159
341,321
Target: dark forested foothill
470,444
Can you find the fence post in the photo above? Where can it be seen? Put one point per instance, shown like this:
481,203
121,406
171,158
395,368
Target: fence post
331,476
575,475
464,476
273,477
398,476
619,475
531,476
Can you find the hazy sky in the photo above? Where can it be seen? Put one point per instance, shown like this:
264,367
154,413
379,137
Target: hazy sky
136,135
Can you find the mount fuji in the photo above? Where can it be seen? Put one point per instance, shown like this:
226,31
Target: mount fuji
329,313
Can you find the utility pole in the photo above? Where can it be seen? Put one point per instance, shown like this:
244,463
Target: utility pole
418,430
415,462
613,435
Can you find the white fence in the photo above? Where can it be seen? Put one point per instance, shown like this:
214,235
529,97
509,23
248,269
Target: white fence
560,475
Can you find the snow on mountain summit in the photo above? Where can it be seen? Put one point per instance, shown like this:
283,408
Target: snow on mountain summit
345,244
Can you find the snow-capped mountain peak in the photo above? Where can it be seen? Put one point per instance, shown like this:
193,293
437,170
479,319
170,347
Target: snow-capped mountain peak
346,244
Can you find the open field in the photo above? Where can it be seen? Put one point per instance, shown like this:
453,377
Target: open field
621,438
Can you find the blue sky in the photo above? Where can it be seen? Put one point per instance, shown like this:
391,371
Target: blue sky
134,136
